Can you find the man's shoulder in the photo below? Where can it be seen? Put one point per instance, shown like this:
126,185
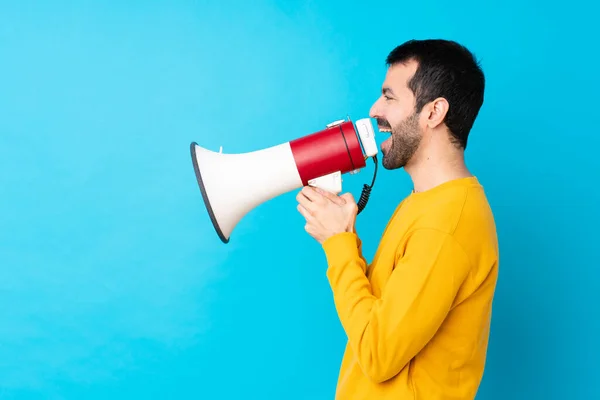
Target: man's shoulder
461,212
443,209
455,208
451,197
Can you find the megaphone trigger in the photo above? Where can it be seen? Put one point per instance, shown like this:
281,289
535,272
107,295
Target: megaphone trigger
233,184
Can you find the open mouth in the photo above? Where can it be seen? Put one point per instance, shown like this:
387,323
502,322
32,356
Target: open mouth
383,125
388,140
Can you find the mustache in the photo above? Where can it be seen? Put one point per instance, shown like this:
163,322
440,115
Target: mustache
381,123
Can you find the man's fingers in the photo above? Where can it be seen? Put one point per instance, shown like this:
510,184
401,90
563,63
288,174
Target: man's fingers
310,193
304,200
309,229
331,196
303,211
306,213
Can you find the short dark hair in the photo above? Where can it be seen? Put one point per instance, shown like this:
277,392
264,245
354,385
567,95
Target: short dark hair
449,70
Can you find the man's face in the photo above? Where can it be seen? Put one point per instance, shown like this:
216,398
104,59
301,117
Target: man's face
394,111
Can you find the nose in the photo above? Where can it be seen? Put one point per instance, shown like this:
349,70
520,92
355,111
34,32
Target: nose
374,111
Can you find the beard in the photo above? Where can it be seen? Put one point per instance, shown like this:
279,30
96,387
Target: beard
403,142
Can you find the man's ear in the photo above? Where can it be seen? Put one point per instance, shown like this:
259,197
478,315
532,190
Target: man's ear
436,112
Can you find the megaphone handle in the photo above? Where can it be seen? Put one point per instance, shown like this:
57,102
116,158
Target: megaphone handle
333,183
330,182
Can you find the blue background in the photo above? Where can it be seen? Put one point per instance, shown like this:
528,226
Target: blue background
113,284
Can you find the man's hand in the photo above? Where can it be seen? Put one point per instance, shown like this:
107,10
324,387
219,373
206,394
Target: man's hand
326,214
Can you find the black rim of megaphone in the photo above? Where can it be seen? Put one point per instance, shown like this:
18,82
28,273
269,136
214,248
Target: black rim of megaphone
209,209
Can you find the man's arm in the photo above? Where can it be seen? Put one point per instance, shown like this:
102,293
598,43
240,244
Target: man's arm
360,252
386,333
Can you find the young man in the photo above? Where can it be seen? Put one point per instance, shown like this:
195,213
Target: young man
418,317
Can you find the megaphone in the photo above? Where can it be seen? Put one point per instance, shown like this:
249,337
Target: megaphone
233,184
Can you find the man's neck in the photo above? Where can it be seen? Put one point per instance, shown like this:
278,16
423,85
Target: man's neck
431,170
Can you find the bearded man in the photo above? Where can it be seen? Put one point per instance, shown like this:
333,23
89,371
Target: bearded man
418,317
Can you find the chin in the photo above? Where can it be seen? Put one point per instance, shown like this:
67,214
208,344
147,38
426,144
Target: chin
390,165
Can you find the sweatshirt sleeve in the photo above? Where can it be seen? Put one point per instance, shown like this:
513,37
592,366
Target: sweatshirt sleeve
386,333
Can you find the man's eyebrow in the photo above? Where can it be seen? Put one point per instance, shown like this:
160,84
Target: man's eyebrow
387,90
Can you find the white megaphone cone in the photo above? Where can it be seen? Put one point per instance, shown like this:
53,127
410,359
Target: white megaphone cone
234,184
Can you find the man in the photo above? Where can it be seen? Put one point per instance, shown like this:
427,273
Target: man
418,318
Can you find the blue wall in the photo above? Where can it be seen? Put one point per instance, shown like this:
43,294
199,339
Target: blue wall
113,283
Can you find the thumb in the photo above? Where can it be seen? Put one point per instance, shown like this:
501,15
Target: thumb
348,198
350,202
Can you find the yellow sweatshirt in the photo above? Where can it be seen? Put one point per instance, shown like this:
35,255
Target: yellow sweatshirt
418,317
